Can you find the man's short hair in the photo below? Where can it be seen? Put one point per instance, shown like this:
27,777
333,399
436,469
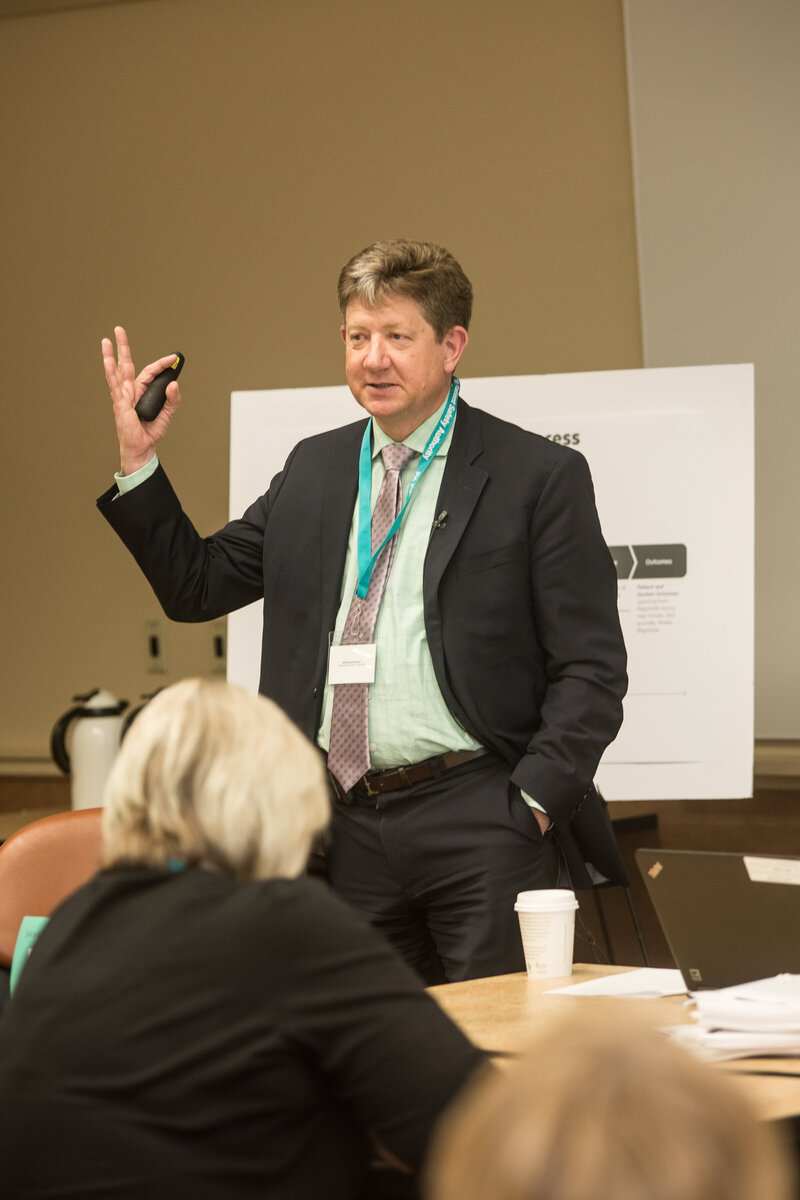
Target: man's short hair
422,271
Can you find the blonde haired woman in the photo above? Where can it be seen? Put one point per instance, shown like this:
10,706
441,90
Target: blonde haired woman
603,1108
200,1019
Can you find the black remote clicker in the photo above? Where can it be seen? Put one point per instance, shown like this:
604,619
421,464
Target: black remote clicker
151,403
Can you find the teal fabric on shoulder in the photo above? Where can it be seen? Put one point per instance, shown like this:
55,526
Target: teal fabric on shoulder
29,930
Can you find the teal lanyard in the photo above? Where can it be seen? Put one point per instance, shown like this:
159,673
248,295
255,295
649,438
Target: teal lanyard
366,559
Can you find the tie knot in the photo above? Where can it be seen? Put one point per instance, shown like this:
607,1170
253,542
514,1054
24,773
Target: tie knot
396,456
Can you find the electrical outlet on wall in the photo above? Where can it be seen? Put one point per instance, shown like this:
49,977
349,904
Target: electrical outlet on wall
155,648
218,634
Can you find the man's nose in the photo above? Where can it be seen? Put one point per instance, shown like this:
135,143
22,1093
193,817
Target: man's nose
377,354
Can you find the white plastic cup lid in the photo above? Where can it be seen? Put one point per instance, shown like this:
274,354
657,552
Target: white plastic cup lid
546,900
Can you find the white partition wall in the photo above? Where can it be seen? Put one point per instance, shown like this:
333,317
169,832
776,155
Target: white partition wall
714,92
671,454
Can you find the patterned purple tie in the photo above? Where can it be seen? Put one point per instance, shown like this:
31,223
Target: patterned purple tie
348,754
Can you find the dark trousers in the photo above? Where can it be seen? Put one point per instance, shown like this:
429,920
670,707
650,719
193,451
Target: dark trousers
437,867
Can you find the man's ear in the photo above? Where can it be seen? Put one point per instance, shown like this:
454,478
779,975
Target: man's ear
455,343
342,332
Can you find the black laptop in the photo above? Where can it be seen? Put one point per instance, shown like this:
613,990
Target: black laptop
728,918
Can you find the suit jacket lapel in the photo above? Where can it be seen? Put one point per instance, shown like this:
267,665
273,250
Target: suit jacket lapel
462,484
338,498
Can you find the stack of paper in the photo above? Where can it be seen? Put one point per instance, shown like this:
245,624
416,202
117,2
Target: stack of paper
758,1019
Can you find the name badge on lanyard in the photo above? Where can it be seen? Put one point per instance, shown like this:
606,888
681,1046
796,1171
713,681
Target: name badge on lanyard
352,663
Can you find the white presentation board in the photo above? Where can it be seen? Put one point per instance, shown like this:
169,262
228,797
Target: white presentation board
671,455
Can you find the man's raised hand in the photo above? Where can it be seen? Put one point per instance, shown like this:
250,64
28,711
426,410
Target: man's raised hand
137,439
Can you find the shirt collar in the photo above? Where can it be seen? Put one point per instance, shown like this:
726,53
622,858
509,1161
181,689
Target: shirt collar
417,440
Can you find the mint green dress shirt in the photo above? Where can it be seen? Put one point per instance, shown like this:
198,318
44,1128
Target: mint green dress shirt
408,718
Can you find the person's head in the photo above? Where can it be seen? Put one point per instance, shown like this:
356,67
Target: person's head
405,308
210,774
604,1109
419,271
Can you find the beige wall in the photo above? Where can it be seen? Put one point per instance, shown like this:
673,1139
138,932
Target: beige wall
198,170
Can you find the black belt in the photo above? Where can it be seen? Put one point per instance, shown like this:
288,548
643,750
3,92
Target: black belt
375,783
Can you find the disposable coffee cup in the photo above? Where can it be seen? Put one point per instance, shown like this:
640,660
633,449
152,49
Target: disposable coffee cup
547,925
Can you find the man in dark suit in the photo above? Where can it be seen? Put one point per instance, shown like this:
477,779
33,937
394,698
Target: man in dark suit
496,670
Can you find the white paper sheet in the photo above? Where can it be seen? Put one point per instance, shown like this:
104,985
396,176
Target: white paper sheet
645,983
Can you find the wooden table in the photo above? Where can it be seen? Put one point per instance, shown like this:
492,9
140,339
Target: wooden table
504,1013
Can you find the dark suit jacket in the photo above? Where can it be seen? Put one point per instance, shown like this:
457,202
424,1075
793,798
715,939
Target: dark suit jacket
519,591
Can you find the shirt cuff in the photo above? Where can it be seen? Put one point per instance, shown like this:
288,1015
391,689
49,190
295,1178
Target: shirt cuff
530,800
126,483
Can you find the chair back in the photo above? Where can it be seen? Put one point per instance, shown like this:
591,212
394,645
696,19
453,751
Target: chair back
41,864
